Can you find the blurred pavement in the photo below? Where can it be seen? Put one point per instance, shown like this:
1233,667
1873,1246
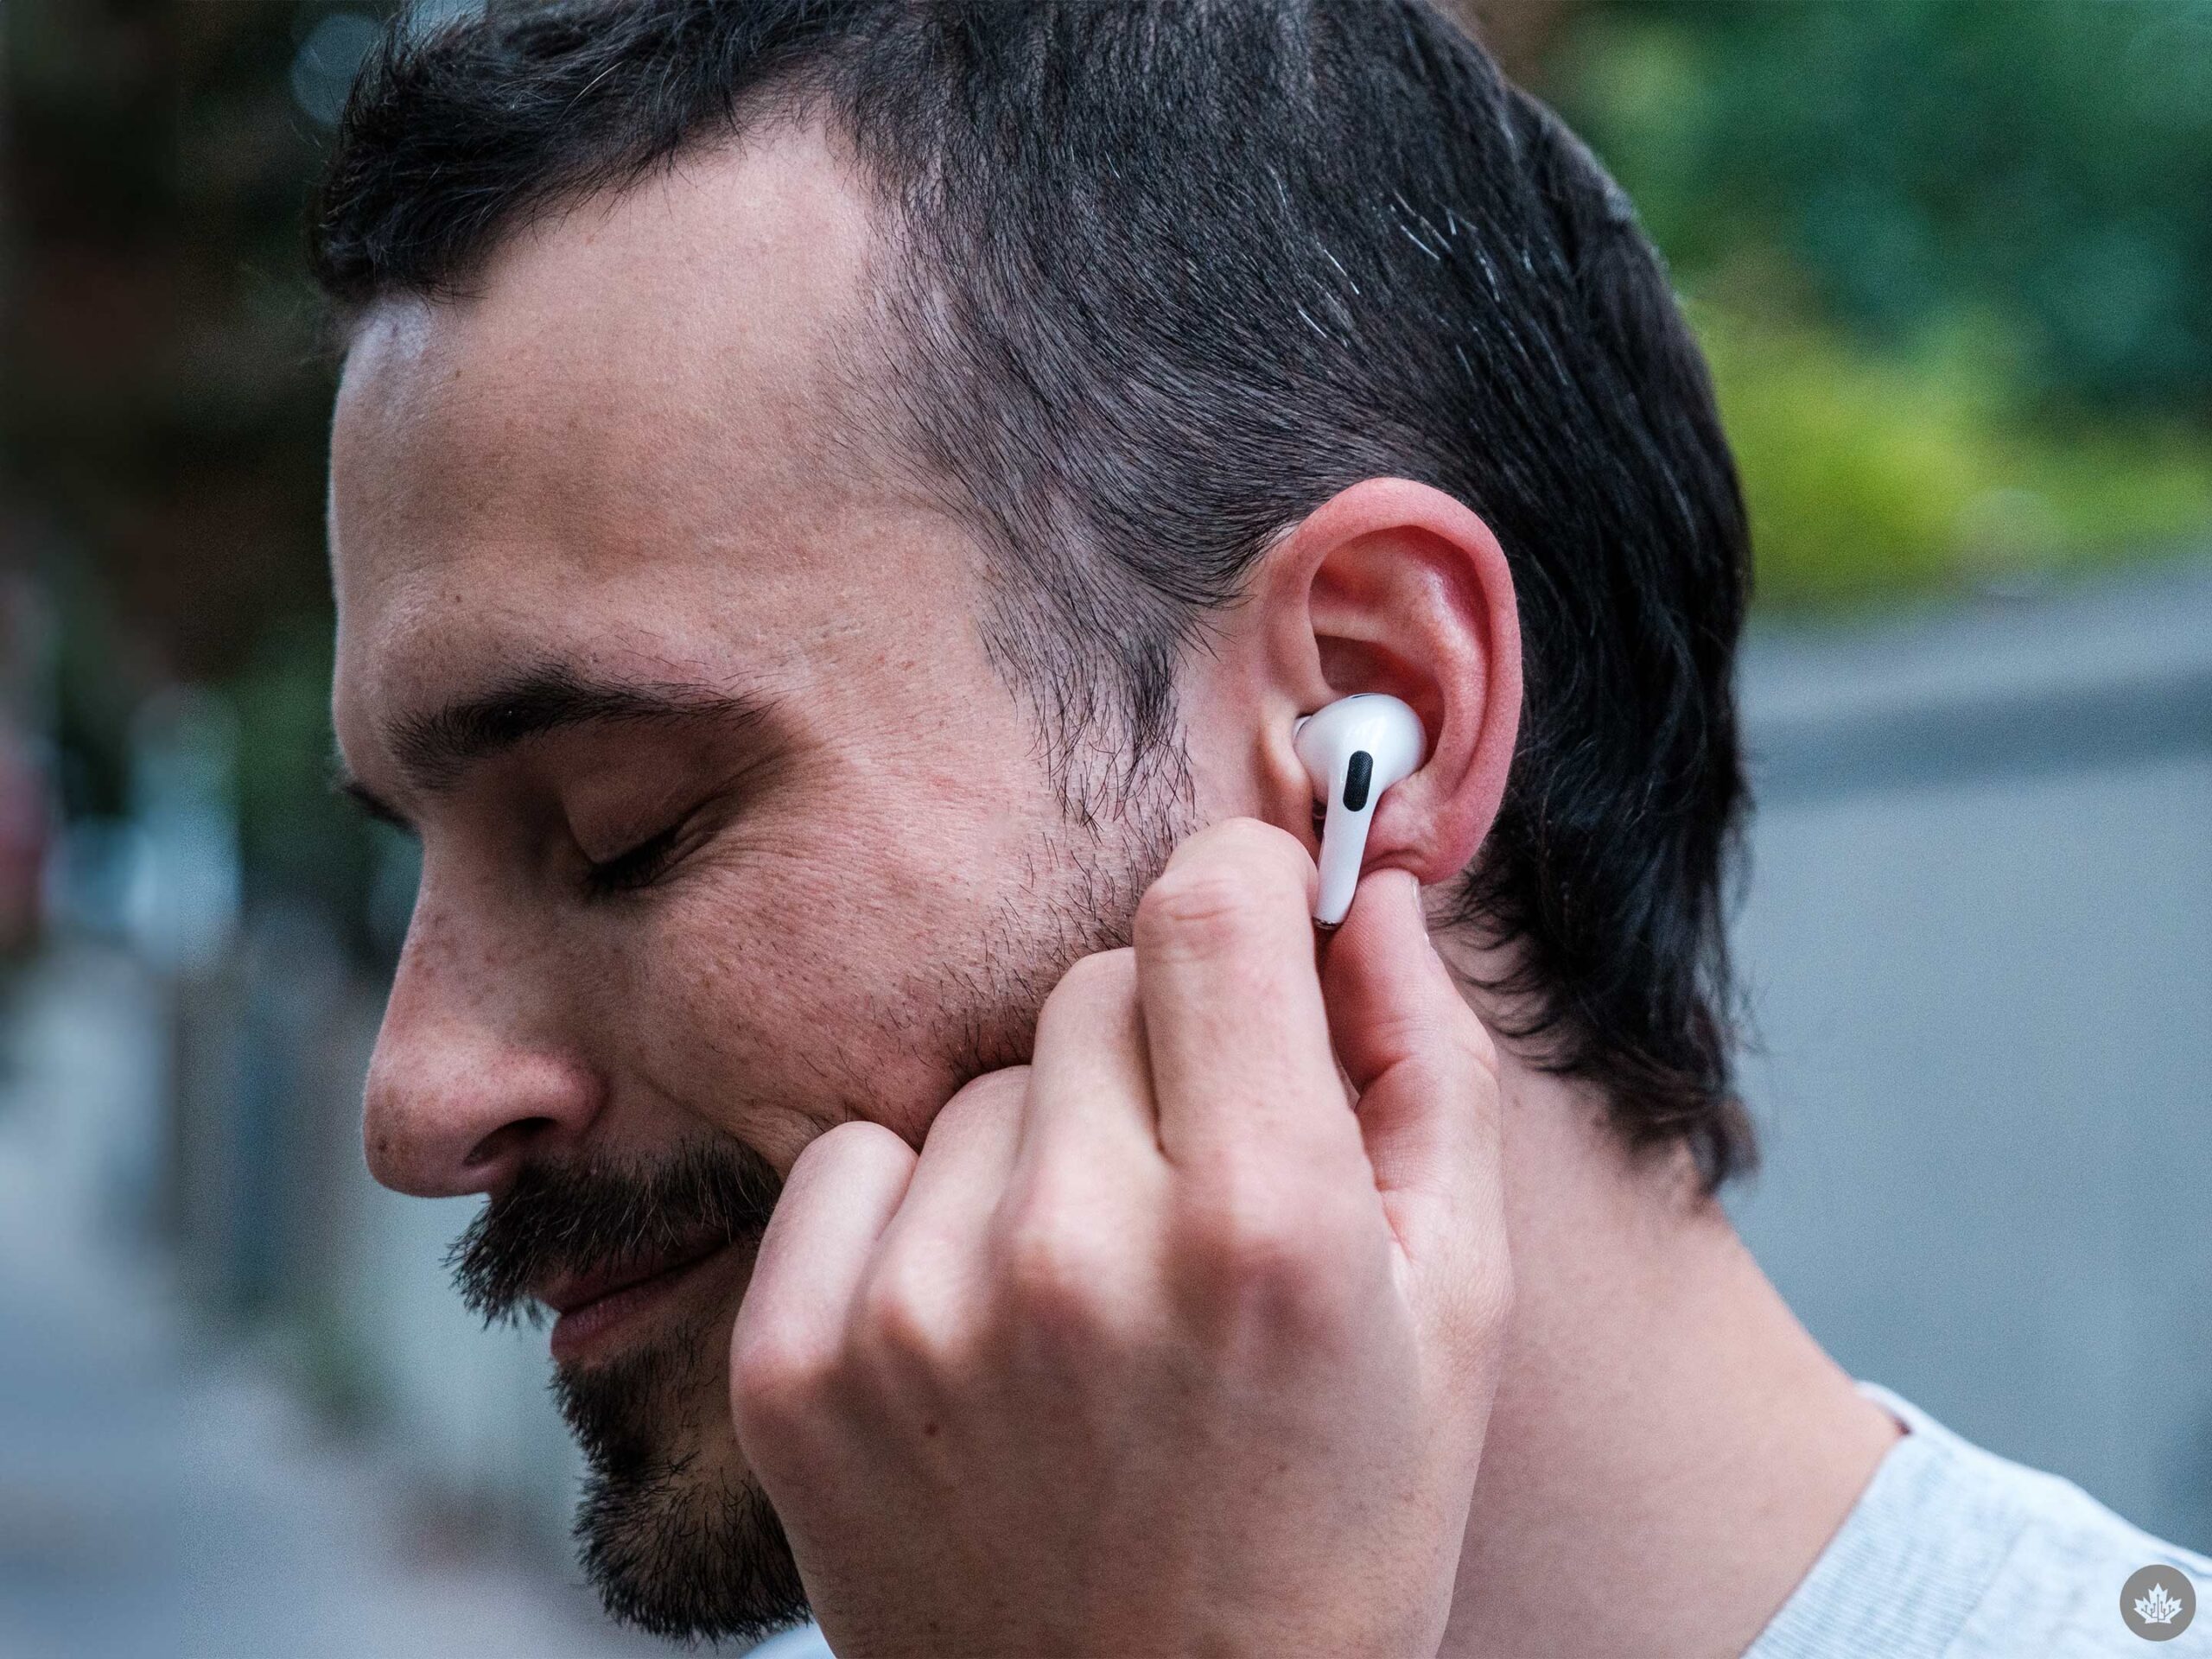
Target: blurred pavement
164,1494
1978,948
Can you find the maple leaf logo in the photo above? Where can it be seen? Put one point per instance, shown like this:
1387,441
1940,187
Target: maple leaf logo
2157,1607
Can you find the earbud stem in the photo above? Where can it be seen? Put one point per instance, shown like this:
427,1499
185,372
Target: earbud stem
1344,835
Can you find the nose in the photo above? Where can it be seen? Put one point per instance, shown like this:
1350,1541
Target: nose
468,1079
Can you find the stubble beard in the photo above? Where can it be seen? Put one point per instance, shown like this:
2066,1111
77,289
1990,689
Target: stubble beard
680,1540
674,1545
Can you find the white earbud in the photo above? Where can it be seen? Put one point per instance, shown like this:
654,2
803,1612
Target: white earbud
1354,749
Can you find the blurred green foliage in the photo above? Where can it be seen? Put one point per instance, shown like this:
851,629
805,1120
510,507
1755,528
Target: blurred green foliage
1872,475
1948,258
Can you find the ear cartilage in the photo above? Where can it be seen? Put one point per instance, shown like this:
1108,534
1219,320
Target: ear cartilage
1353,750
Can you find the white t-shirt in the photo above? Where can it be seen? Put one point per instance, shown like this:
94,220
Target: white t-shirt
1951,1553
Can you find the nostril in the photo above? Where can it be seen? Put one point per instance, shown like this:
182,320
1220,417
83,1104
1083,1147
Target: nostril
510,1139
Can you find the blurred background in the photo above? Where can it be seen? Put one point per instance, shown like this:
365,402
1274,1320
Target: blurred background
1949,262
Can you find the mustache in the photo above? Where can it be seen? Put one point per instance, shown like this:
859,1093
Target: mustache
564,1217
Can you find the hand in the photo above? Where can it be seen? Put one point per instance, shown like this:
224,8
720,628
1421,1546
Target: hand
1157,1347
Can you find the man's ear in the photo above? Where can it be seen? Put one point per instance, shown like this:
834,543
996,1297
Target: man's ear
1393,586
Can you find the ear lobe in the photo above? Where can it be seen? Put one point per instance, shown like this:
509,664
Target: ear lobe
1405,590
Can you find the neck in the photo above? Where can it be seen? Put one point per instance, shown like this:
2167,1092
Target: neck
1670,1450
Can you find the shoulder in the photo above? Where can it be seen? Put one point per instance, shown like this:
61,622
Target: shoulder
1955,1553
2058,1592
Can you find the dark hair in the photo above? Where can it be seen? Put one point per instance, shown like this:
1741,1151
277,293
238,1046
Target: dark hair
1167,275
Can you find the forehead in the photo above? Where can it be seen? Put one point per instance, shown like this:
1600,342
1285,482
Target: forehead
633,438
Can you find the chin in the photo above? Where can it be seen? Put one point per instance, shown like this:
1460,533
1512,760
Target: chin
672,1529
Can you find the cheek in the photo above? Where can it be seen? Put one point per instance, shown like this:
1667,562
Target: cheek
800,980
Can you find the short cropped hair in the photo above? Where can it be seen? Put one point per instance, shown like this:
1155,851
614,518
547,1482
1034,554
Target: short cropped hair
1169,274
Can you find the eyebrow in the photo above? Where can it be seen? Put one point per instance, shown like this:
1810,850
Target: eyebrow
435,749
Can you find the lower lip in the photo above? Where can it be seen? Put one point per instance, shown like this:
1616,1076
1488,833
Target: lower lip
579,1331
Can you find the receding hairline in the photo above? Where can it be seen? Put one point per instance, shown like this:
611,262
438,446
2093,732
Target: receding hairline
795,100
539,216
855,348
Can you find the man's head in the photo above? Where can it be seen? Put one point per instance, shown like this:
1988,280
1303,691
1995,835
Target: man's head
825,494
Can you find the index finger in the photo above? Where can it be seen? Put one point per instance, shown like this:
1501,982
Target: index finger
1233,1016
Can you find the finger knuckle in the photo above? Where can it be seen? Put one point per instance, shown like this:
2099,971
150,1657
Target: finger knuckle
985,1110
778,1374
1401,1030
903,1326
1243,1244
1201,907
1053,1276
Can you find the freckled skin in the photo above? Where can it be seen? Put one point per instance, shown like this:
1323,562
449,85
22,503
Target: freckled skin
624,452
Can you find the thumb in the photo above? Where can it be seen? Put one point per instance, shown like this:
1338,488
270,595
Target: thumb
1425,1073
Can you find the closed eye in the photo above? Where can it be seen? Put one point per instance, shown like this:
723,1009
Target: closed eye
638,866
372,804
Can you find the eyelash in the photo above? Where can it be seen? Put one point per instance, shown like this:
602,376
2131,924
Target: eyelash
639,867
